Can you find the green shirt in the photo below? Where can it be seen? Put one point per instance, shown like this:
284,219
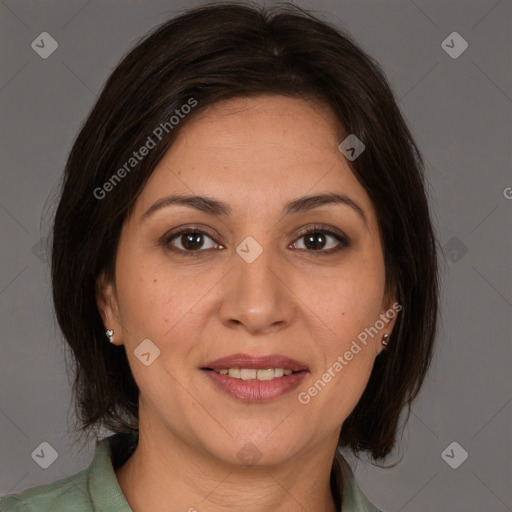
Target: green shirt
96,487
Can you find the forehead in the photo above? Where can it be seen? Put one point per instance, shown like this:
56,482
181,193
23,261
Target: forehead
256,151
286,128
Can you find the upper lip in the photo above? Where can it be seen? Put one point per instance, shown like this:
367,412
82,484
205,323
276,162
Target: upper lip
256,362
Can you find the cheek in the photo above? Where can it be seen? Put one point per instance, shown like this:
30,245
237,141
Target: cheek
152,304
350,299
348,303
161,303
346,361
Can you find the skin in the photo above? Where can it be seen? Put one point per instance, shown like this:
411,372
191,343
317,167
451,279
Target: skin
255,155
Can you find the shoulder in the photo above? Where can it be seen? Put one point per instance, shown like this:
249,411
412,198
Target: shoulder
94,488
63,495
353,498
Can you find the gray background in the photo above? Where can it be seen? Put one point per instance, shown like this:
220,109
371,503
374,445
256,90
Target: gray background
459,111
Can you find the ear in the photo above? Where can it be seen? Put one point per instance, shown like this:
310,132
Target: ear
106,301
389,312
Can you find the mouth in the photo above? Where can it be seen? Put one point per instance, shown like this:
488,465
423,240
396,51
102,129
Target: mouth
255,378
253,374
252,362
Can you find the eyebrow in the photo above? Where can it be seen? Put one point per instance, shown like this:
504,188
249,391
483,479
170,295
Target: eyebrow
218,208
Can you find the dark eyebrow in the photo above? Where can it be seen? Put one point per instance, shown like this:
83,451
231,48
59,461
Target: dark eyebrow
306,203
201,203
218,208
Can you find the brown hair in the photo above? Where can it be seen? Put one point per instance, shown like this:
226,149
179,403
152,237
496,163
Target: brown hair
215,52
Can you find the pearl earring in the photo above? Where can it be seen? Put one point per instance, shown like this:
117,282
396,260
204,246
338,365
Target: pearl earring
110,335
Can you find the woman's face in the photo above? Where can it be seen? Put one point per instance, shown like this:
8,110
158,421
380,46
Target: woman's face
251,283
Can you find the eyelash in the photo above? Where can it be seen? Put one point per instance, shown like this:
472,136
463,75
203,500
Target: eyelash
342,239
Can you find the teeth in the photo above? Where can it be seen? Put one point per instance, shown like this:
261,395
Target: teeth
234,372
248,374
252,374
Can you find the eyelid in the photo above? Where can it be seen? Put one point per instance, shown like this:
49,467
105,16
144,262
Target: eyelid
323,228
166,239
189,227
343,239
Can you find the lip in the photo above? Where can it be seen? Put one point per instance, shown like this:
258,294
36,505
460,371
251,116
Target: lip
255,390
256,363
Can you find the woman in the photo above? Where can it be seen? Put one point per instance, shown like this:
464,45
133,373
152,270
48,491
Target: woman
244,267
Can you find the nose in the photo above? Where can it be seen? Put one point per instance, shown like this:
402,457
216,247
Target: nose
256,296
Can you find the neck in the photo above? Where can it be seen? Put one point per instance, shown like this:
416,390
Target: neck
167,473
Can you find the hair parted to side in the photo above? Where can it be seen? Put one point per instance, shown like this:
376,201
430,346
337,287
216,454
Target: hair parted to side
216,52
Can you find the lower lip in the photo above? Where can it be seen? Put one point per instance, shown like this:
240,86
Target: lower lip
256,390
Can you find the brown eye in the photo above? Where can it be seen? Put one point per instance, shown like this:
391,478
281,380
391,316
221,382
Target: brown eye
322,240
189,241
